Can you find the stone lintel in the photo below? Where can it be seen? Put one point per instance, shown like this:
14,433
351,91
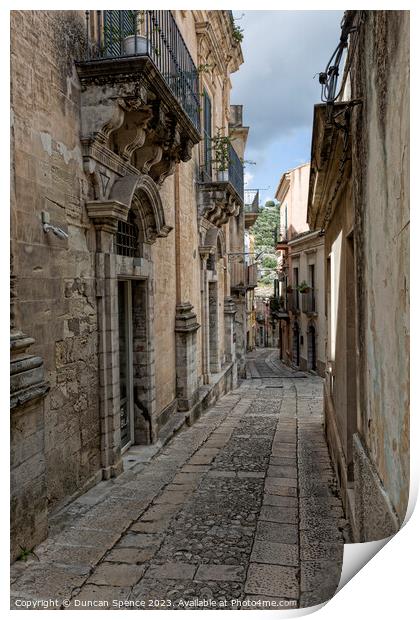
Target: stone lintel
106,213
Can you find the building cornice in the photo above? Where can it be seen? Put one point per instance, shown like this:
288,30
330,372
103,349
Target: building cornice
326,153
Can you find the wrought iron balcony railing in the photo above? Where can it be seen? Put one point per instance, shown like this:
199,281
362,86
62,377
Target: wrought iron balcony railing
309,301
293,302
280,236
234,172
120,34
252,275
251,200
243,276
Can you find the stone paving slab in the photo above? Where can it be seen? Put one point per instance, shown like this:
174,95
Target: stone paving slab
171,570
275,553
220,572
272,580
116,574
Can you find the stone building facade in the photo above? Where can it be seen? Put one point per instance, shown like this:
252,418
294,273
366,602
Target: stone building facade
251,211
302,339
359,197
123,324
299,310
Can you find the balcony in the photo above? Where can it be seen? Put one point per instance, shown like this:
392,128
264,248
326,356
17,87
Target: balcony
309,301
221,192
293,300
280,238
139,100
278,308
243,277
251,206
252,275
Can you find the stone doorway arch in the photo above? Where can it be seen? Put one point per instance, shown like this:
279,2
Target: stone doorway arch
134,203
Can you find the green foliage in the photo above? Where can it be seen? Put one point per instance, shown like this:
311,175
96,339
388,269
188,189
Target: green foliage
269,262
264,227
303,287
237,31
221,146
25,553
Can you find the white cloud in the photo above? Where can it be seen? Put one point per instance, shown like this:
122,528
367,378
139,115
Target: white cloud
248,178
283,50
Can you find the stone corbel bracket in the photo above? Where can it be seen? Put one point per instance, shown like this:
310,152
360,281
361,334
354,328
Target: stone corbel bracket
218,202
131,122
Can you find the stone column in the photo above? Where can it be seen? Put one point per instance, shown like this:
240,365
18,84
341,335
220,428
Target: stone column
205,252
229,312
230,344
28,387
186,327
240,333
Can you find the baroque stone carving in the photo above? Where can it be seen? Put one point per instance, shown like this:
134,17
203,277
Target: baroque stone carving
218,201
133,191
131,121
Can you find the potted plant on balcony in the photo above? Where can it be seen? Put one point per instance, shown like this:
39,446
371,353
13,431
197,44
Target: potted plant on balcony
221,155
304,287
134,42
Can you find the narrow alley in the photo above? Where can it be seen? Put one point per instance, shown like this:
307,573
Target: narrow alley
240,510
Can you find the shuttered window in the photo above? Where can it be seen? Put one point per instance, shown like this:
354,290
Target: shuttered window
207,135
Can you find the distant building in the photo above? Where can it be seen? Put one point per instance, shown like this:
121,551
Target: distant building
251,211
299,289
305,304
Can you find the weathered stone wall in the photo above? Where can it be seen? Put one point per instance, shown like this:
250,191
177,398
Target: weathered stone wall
55,285
381,200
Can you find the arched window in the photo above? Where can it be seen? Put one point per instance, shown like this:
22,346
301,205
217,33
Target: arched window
127,236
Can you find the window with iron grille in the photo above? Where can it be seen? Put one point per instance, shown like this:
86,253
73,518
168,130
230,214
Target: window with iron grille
207,131
127,237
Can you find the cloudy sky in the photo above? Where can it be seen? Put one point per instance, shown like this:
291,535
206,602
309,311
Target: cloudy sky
283,50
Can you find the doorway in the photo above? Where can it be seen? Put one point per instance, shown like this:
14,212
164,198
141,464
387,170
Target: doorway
296,344
312,348
214,327
125,339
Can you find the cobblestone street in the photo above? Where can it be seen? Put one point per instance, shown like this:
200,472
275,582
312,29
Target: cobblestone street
242,506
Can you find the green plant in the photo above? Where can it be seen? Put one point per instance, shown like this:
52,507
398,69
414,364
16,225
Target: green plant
206,67
25,553
221,146
303,287
237,32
